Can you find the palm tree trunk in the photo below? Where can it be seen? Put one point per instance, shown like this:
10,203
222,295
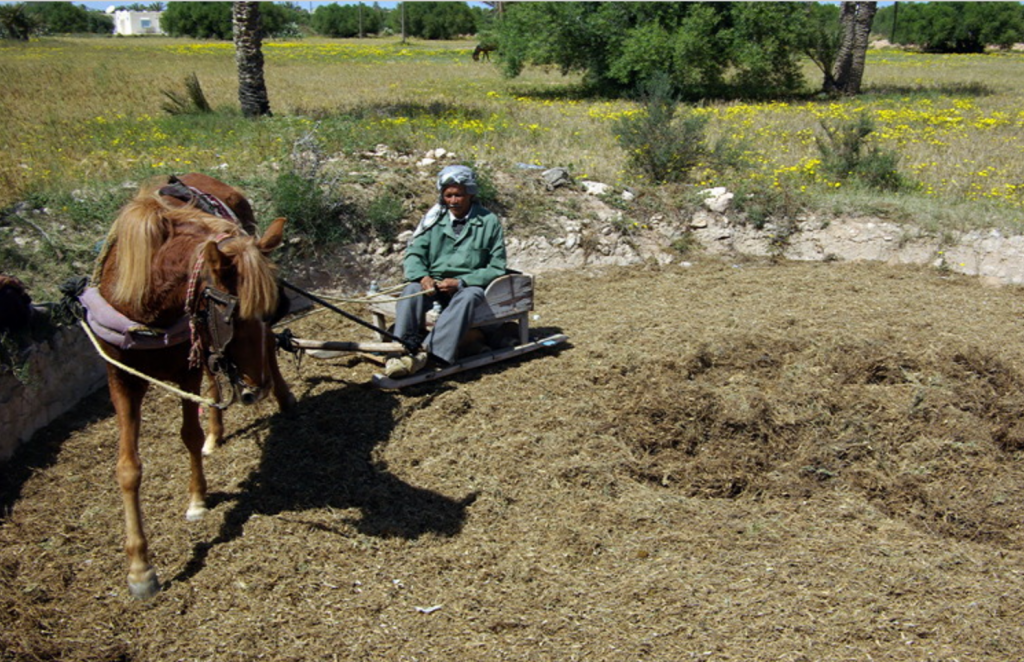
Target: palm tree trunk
848,71
252,90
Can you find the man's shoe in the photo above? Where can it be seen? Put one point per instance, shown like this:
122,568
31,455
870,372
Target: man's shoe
403,366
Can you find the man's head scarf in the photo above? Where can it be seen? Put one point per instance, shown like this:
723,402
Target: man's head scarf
453,174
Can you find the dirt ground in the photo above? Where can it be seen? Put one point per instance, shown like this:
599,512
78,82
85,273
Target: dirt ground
729,461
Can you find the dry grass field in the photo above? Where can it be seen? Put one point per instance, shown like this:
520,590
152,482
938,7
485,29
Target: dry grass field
739,460
733,461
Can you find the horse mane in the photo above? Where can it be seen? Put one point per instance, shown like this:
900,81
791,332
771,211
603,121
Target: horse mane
257,279
146,222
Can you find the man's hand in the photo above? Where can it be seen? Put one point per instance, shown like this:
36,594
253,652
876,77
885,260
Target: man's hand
447,286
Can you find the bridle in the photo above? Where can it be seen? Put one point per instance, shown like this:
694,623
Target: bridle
212,310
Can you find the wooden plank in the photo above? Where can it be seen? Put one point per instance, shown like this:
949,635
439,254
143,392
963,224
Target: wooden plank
346,346
480,360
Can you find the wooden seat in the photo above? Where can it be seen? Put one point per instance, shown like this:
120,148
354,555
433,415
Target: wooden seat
508,298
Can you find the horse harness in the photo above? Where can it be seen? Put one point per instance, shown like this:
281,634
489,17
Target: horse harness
217,317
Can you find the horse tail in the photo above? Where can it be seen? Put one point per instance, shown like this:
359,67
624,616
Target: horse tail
139,230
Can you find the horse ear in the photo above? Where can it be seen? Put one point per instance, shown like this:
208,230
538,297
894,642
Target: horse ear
273,237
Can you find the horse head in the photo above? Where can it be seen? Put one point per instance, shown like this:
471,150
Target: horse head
239,301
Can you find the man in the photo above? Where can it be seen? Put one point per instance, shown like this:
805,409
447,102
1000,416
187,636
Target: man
457,250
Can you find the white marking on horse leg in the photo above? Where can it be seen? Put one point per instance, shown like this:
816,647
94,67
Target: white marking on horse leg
195,511
211,444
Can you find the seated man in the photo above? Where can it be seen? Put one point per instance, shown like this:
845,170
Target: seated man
457,250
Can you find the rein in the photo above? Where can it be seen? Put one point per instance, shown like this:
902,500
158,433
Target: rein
141,375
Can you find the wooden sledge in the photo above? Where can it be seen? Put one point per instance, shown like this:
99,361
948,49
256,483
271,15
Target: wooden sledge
508,299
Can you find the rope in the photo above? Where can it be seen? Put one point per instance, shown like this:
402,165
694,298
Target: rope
380,296
132,371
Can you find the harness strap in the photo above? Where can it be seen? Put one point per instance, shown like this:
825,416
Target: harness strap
206,202
195,355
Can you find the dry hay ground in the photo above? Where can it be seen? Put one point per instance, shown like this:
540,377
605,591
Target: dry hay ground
746,461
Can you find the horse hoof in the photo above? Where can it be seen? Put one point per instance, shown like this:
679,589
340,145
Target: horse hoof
145,588
195,513
287,404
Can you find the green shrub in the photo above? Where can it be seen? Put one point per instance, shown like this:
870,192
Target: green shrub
304,194
847,154
309,208
384,216
660,145
191,102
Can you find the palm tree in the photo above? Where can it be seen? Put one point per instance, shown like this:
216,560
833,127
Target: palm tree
252,90
848,71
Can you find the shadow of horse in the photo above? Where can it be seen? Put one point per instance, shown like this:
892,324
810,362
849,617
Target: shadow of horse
322,455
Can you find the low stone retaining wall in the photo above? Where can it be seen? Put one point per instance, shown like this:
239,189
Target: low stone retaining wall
53,376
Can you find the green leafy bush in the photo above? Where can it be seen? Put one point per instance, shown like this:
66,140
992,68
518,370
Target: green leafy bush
847,154
661,144
384,216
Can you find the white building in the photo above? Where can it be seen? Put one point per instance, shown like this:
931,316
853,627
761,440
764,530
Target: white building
137,22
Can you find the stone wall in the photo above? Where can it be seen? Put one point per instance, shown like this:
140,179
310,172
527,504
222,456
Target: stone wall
53,376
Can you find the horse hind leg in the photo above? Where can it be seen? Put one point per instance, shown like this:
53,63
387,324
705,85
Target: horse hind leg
282,393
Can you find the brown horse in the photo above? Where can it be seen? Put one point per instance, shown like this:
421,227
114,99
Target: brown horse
483,52
168,259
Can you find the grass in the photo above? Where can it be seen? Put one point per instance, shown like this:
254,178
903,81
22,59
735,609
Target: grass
84,115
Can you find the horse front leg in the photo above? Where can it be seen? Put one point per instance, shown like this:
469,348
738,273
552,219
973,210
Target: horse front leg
214,418
126,393
192,436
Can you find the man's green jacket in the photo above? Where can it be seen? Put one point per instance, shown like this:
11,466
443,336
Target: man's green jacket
476,257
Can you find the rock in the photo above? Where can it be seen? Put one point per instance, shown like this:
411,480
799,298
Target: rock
595,188
555,177
701,219
717,199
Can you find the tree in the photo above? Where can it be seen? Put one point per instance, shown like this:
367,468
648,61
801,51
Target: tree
958,27
346,20
15,22
438,20
855,23
822,39
213,20
706,48
199,20
66,18
252,90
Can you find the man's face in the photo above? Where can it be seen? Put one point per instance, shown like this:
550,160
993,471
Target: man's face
456,199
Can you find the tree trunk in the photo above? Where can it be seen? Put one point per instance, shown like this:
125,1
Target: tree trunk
848,71
252,90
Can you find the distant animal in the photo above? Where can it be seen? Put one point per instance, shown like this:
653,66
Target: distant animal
483,51
169,258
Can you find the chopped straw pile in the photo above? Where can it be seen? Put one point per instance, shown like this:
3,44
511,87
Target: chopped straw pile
749,461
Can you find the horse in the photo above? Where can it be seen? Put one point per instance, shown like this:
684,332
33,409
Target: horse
169,259
483,51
